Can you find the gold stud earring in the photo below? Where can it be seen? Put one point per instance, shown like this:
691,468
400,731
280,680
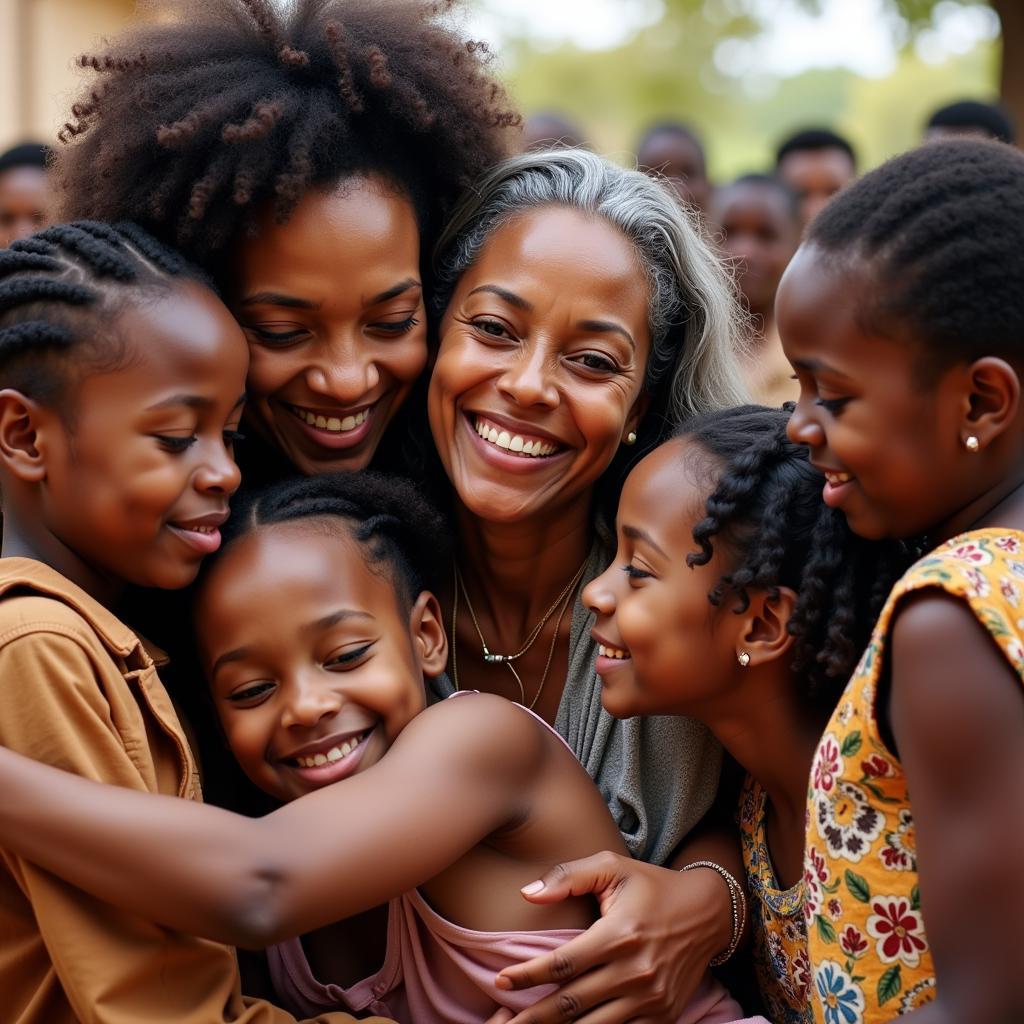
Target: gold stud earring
631,437
743,658
972,444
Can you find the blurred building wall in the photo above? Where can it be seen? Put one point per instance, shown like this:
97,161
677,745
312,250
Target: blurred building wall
40,41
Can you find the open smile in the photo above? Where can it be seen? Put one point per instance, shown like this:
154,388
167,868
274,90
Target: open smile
330,760
335,428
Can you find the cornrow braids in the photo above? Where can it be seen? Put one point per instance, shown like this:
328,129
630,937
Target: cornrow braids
195,125
386,515
766,510
60,289
937,231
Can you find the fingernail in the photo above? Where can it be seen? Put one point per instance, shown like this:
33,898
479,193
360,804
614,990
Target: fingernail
502,982
533,888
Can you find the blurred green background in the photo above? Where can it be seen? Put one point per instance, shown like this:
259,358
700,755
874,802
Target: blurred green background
744,73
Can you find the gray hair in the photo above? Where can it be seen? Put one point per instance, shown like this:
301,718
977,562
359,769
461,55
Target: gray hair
697,327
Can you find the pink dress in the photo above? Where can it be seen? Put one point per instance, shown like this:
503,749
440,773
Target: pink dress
437,972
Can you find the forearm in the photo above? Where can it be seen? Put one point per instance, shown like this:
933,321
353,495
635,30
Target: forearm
188,866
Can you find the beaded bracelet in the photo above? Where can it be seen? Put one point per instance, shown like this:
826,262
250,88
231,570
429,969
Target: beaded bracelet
739,908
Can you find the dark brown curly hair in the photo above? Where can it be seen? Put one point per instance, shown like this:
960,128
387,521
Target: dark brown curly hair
189,127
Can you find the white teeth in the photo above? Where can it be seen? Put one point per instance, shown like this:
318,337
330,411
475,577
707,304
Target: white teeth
612,652
838,478
199,529
513,442
332,755
334,424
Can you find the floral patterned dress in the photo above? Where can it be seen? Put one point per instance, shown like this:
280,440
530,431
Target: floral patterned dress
869,954
779,938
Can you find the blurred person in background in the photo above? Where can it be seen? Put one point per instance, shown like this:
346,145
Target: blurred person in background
815,163
971,117
549,129
759,218
25,198
674,150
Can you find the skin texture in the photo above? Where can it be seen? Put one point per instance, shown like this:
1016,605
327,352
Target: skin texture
535,334
681,161
332,306
105,491
816,175
496,796
26,205
760,232
962,748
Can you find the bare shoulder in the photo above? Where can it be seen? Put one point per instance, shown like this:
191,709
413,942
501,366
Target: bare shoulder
480,732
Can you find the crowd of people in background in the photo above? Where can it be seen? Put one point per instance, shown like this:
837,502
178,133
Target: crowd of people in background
607,581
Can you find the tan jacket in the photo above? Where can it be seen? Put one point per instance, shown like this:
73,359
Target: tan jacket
80,691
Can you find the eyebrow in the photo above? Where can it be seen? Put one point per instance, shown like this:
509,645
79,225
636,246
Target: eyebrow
635,533
815,365
605,327
293,302
241,653
503,293
190,402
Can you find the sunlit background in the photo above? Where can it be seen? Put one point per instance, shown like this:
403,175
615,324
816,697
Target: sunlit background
742,72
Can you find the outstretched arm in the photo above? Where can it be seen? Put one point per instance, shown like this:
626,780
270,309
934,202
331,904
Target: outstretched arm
455,774
957,715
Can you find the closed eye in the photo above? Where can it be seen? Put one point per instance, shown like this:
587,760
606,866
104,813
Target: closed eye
346,658
634,573
832,405
177,445
253,694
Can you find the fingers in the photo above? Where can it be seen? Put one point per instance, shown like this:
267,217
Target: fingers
577,878
501,1017
571,1003
562,964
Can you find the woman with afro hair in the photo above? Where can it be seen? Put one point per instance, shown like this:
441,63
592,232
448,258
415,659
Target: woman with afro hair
306,155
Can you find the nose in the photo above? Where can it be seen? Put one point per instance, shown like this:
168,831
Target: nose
343,372
218,473
599,595
803,426
528,380
308,701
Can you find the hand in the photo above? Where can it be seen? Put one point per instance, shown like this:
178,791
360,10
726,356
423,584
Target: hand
643,960
501,1017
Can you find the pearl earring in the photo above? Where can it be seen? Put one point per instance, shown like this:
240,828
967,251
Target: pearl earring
631,437
972,444
743,658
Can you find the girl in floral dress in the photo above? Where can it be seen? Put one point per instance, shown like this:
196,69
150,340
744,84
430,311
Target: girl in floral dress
903,314
736,597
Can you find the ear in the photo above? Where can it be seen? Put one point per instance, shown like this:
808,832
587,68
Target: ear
429,638
23,422
637,413
993,401
764,635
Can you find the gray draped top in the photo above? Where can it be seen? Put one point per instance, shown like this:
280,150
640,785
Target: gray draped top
657,774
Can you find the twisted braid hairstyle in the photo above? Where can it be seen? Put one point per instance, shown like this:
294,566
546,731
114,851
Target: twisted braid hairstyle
766,511
937,232
192,125
60,292
396,527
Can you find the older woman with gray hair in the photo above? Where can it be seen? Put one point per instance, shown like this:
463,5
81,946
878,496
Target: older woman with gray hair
581,316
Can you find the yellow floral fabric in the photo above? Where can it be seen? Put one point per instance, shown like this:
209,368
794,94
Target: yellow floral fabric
869,953
778,935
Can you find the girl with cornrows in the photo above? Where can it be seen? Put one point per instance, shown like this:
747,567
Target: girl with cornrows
307,155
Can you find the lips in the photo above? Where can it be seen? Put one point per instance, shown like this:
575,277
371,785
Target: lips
202,533
329,760
331,421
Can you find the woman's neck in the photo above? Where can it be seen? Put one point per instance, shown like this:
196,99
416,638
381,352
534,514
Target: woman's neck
1001,505
515,570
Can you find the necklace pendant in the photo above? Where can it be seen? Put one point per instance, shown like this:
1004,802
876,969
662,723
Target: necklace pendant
491,658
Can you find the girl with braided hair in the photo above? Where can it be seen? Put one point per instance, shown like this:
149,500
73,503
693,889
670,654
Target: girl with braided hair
306,155
736,597
417,824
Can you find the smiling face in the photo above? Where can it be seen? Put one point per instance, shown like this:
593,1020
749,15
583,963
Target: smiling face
889,444
540,372
139,469
315,665
332,306
663,647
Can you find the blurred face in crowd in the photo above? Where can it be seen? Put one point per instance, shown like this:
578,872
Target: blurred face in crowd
679,158
332,306
816,175
760,231
540,372
25,203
